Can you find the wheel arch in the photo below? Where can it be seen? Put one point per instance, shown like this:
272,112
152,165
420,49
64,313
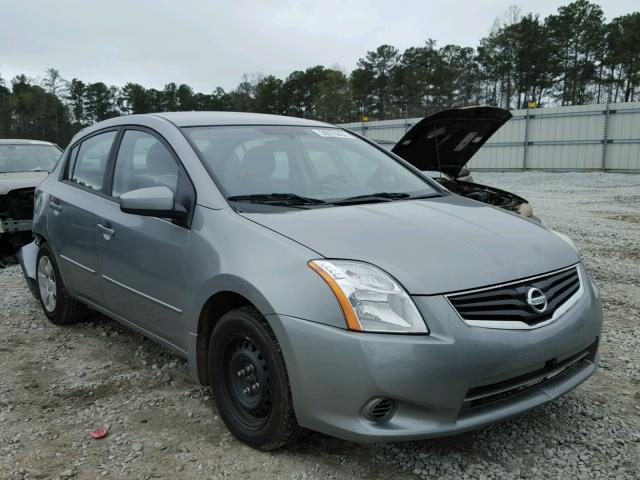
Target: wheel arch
232,293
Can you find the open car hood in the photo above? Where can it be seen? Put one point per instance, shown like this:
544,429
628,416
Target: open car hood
458,134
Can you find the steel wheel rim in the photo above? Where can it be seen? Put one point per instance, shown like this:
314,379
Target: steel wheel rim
251,409
47,284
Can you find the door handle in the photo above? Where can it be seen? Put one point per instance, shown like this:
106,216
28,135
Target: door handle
55,206
106,229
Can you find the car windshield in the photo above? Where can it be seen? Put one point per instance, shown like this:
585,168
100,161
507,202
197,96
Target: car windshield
28,158
282,164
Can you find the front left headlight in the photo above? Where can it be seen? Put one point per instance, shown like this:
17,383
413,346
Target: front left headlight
371,300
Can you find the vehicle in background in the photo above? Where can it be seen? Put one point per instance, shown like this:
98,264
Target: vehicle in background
312,279
442,144
23,165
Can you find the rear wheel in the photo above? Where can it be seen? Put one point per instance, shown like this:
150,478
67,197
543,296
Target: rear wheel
56,303
249,380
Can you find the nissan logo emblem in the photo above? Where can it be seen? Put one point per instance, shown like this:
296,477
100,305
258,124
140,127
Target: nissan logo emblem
537,300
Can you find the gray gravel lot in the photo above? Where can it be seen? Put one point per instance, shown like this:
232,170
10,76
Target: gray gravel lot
57,384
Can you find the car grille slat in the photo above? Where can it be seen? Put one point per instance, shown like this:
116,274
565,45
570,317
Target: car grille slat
478,304
509,302
503,391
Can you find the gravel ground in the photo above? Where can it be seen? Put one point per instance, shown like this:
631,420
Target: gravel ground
57,384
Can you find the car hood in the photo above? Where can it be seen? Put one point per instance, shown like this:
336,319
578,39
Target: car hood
13,180
431,246
459,133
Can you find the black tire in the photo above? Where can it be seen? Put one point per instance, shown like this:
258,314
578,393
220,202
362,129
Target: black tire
263,419
67,310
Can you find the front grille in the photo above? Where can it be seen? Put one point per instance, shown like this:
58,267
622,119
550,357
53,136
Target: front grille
20,203
487,394
508,303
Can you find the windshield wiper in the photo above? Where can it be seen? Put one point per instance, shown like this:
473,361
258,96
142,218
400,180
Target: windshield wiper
276,199
374,197
426,195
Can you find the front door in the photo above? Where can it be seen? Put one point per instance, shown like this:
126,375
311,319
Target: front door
142,259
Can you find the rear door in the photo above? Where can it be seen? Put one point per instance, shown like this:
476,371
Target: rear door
143,259
71,214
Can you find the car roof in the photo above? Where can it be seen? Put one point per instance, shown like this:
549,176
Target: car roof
24,141
200,119
192,119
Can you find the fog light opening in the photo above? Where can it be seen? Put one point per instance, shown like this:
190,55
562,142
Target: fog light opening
380,410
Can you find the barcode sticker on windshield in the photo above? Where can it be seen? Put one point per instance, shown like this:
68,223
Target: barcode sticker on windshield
333,133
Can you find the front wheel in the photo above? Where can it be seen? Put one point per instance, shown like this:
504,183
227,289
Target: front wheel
249,380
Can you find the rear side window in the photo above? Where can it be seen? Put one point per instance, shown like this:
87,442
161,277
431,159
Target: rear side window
91,162
143,161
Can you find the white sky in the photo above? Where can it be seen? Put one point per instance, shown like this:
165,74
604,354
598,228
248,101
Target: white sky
209,43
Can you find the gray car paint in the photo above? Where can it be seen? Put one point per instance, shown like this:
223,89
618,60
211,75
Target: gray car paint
159,198
426,243
431,246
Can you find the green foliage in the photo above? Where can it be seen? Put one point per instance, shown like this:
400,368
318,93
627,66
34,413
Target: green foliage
572,57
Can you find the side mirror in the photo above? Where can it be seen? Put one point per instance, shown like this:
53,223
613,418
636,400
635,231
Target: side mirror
152,202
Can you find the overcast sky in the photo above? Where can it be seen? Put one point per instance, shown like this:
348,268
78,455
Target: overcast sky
209,43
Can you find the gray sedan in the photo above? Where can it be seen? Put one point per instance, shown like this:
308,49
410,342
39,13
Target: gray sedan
312,278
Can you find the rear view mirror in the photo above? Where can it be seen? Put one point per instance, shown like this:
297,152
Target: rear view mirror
152,202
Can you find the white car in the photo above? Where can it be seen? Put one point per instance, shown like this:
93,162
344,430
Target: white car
23,165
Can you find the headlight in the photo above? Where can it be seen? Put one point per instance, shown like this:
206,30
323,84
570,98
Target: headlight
564,237
370,299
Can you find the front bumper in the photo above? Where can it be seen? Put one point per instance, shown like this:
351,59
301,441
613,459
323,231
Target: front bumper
11,226
334,373
27,257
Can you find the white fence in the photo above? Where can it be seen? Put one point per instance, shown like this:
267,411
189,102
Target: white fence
588,137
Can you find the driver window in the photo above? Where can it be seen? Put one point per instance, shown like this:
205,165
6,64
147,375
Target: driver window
143,161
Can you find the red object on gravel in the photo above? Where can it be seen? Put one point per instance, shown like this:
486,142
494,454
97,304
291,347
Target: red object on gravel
99,433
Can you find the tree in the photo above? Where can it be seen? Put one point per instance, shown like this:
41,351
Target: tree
268,95
623,56
184,95
100,102
242,99
374,76
300,91
5,109
76,98
37,113
54,83
578,32
135,99
333,101
414,77
170,97
454,77
515,63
